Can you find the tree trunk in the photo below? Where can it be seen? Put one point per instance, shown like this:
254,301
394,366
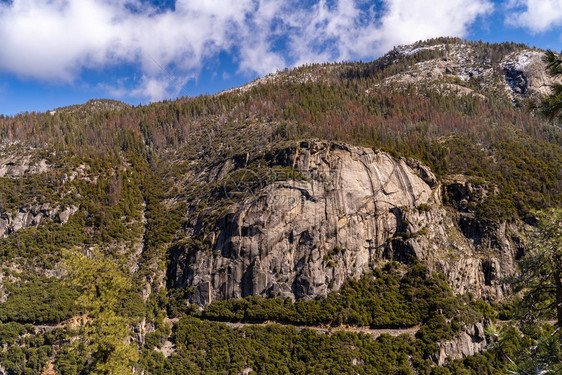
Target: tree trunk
558,283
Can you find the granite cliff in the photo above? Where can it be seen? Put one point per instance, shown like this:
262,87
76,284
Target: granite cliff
349,209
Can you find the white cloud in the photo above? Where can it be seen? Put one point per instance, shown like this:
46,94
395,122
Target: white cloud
154,88
345,30
408,21
56,40
536,15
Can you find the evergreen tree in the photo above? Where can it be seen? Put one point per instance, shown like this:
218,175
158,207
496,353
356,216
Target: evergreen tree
541,269
552,105
104,282
540,279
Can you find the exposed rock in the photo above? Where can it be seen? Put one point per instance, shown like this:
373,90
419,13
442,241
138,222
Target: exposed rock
423,171
470,342
3,292
462,71
525,74
357,361
168,348
278,243
16,166
465,193
93,105
356,208
32,216
67,213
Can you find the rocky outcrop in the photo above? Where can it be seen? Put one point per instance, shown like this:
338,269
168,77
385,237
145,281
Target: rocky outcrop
14,166
352,209
525,74
474,254
471,341
32,216
463,69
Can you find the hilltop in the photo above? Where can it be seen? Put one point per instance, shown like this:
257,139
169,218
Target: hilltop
93,105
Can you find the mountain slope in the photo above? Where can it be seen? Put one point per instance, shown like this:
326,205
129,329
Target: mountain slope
286,187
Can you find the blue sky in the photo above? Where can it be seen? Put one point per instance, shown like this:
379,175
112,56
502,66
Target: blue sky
60,52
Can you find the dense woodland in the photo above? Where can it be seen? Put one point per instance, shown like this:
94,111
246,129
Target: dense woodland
126,163
449,133
379,300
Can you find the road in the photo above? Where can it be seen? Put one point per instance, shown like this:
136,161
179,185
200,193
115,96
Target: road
329,330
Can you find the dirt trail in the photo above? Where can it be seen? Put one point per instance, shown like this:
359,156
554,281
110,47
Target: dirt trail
329,330
322,330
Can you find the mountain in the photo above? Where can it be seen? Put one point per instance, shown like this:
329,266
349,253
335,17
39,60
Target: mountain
395,193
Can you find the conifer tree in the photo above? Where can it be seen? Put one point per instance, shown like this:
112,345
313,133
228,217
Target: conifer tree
552,105
541,269
103,282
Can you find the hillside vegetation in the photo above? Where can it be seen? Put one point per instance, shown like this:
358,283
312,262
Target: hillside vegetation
130,174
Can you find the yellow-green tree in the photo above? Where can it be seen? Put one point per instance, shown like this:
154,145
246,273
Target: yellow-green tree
104,281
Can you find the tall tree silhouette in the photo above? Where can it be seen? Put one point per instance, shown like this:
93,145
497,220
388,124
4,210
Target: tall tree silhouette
552,105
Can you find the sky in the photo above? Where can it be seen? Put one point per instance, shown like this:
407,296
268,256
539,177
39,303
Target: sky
55,53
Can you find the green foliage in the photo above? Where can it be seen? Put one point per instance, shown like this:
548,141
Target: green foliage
552,105
383,299
17,192
423,208
104,283
206,347
543,357
43,244
522,154
540,270
10,332
540,282
25,360
25,350
155,160
38,300
71,359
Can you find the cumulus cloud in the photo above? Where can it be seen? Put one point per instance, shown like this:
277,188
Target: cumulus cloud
536,15
406,21
56,40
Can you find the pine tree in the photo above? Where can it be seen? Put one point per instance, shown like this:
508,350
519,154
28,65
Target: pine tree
540,279
552,105
541,269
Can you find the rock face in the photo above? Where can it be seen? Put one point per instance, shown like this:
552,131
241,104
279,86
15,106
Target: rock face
525,74
518,75
470,342
33,215
17,166
354,209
